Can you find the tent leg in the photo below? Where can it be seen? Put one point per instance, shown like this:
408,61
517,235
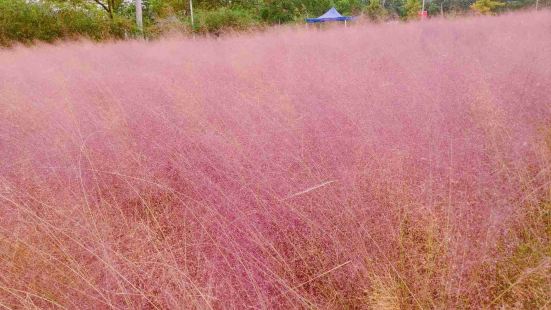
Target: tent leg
345,25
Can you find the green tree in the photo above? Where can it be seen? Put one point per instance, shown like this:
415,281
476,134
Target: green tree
437,7
279,11
348,7
109,6
27,22
412,8
486,6
216,21
375,10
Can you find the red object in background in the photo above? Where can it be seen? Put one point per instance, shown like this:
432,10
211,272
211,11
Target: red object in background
423,14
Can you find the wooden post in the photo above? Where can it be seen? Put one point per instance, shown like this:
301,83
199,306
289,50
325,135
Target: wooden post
139,18
191,13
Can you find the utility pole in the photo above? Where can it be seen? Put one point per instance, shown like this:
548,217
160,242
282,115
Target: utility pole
139,18
191,12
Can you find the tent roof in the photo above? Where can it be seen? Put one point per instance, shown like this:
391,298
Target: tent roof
331,15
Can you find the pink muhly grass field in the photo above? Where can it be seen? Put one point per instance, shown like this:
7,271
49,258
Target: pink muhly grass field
376,166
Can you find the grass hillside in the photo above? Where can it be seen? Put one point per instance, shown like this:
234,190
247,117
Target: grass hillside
389,166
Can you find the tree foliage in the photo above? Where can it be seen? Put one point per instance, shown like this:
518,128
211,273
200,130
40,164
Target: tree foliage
21,21
375,11
214,21
486,6
412,9
109,6
47,20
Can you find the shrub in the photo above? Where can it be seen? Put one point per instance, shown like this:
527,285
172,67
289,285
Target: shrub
349,7
25,22
486,6
375,10
435,9
220,19
279,11
412,9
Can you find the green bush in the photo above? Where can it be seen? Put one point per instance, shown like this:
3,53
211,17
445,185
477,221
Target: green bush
433,9
486,6
349,7
28,22
412,8
280,11
223,18
24,22
375,10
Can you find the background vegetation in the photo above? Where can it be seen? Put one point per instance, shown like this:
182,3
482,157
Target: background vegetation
48,20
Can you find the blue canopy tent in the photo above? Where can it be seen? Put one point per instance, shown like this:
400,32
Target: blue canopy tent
331,15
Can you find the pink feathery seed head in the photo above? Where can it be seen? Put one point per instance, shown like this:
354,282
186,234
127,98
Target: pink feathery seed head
286,169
